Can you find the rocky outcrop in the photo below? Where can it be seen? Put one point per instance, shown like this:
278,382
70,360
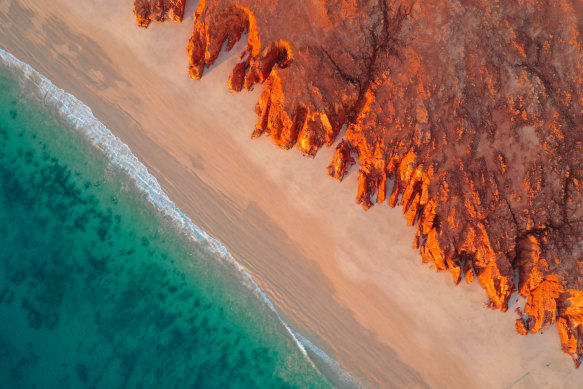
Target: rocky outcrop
469,114
342,161
158,10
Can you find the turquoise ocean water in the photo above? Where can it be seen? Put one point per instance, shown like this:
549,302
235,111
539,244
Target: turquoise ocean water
103,282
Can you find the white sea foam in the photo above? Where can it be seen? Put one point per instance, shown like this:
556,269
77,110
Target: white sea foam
82,120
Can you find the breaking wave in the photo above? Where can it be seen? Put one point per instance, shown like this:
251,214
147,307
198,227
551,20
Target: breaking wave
81,119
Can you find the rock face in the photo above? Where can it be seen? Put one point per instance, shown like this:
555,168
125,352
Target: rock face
342,161
472,109
158,10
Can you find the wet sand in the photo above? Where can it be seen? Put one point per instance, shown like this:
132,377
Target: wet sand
348,279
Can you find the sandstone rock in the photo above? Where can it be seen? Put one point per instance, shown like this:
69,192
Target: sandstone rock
521,327
542,303
472,110
522,324
236,78
342,161
158,10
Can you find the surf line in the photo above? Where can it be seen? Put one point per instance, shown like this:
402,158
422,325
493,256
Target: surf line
80,117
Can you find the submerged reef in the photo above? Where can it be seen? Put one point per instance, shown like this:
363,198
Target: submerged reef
467,114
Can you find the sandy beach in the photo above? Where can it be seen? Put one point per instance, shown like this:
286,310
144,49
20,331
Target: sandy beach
347,279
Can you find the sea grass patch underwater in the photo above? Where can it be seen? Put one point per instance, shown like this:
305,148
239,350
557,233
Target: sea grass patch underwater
97,289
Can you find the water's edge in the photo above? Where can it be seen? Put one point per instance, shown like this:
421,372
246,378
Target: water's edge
81,120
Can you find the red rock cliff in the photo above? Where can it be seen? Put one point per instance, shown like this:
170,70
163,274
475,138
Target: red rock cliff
474,110
158,10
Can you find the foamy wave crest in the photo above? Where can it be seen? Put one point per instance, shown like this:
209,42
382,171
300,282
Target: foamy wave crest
82,120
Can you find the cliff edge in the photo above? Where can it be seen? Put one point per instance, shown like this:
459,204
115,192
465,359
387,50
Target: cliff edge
469,115
158,10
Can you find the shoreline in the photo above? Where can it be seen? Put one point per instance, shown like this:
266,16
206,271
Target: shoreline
84,125
135,240
299,233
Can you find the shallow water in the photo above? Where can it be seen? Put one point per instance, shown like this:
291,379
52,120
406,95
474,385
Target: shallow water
98,289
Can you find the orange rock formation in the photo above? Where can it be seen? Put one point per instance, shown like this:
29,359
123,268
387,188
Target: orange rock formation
342,161
473,110
158,10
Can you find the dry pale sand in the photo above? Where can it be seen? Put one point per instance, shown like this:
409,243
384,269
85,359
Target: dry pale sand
348,278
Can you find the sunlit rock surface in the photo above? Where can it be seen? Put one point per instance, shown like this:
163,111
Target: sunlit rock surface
158,10
472,109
